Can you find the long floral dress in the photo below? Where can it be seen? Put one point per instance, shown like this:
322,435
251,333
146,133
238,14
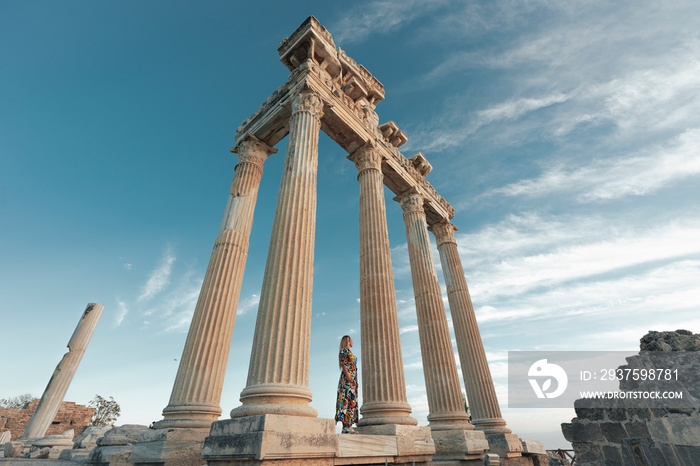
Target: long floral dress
346,405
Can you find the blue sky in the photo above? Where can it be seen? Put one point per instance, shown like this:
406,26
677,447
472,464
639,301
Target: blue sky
565,134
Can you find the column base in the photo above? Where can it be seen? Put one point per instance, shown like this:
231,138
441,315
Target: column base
462,445
505,445
170,447
271,439
188,416
386,413
410,440
449,421
275,399
492,426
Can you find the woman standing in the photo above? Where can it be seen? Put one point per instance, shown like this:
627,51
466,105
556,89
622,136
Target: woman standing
346,405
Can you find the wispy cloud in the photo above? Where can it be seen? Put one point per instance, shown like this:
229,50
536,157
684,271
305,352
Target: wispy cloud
249,304
122,311
379,17
605,178
160,276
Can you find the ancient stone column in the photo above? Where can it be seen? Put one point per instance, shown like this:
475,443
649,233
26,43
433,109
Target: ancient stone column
194,402
481,394
62,376
439,366
383,383
278,375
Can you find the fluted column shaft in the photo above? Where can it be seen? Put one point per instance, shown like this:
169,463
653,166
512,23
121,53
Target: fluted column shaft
439,366
196,394
62,376
383,382
278,375
483,404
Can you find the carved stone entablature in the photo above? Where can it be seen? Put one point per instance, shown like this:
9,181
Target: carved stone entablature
359,81
392,134
421,164
310,41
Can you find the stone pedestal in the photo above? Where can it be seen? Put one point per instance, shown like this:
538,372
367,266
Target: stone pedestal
170,447
58,385
114,449
383,383
459,445
271,439
411,441
505,445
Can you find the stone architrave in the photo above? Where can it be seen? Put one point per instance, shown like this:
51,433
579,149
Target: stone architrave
383,382
196,394
278,375
58,385
481,394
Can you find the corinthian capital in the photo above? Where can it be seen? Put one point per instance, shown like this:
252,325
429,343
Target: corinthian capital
411,200
309,102
444,232
367,157
252,150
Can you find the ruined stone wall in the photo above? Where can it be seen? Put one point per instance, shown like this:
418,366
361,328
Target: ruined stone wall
635,433
70,416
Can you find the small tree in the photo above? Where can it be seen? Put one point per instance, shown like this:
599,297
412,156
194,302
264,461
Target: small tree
16,402
106,411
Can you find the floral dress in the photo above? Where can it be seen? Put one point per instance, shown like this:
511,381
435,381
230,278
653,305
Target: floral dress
346,405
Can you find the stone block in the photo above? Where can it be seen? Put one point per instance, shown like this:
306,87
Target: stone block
271,437
587,453
118,455
88,439
76,455
613,432
459,444
366,445
582,431
637,429
492,459
40,453
13,449
612,454
533,447
410,440
127,434
170,446
505,445
5,437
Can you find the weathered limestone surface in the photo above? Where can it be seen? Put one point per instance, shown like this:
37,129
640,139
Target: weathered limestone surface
278,375
481,394
383,383
439,367
63,374
116,446
196,394
269,438
632,432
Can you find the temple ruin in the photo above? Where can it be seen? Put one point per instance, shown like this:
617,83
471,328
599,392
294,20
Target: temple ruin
327,90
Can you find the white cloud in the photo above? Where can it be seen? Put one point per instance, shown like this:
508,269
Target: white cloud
122,311
379,17
160,277
251,303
